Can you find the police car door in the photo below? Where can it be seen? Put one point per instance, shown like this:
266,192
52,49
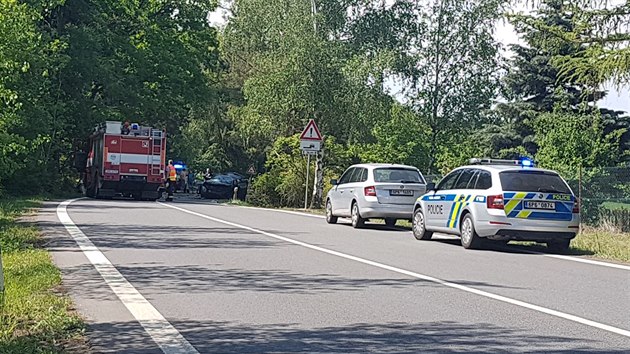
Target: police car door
462,195
439,204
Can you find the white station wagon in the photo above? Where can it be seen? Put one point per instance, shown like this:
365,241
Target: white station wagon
375,191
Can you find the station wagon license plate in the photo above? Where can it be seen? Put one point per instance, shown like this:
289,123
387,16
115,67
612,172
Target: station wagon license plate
401,192
540,205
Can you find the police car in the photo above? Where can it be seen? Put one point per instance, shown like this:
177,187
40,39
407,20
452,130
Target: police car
499,200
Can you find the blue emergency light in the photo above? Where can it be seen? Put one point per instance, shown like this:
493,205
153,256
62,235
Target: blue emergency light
527,163
178,166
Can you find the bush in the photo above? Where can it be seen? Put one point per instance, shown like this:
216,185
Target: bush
283,183
263,192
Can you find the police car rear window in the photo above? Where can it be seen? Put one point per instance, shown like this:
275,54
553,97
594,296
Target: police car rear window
533,181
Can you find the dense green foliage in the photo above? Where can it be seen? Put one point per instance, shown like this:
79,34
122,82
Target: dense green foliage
419,83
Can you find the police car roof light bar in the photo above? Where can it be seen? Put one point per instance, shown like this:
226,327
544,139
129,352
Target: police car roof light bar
485,161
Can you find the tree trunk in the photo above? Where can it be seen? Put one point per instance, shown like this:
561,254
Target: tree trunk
318,187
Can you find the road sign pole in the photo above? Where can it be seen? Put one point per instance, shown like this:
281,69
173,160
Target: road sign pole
308,162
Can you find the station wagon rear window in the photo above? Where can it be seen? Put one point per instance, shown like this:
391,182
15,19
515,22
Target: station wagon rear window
533,181
397,175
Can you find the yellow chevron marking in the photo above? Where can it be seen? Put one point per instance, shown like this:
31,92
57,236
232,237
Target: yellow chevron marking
511,205
523,214
514,202
454,217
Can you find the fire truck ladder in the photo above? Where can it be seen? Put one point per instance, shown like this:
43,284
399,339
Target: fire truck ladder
156,150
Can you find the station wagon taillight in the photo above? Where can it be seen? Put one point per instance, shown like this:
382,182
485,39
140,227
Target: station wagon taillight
369,191
576,207
495,201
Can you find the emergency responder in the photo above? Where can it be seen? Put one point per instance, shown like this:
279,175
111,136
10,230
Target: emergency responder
183,180
171,175
125,129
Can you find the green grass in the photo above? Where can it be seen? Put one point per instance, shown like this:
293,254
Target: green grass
36,316
603,244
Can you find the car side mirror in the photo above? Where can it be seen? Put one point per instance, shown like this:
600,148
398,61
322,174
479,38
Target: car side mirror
80,161
431,187
333,182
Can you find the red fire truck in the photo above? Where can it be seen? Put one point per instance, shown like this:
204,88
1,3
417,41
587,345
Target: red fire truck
123,159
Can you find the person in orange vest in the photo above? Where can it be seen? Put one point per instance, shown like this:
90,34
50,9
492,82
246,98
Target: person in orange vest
171,179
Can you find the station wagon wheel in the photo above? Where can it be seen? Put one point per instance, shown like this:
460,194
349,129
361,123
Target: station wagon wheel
330,218
357,220
418,226
470,238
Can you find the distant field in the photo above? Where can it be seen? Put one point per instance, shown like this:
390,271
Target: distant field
615,205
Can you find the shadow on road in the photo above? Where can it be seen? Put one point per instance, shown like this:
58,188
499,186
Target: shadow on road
428,337
155,278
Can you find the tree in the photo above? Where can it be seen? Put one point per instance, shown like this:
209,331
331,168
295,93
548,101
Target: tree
402,139
601,30
68,65
291,73
567,141
455,78
534,85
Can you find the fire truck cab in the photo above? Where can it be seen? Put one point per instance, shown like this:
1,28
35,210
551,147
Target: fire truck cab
124,160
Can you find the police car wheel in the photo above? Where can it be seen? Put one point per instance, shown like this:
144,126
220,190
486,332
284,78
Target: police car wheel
470,239
559,246
330,218
357,220
418,226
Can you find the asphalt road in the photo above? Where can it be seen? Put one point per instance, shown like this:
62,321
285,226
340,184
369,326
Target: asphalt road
234,279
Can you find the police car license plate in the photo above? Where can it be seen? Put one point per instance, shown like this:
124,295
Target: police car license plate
402,192
540,205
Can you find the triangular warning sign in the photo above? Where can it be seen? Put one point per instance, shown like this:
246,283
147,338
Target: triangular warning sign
311,132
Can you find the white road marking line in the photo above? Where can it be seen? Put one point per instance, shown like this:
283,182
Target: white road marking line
505,299
284,211
581,260
566,258
162,332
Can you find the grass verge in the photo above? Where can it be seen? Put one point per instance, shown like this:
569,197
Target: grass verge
603,244
36,317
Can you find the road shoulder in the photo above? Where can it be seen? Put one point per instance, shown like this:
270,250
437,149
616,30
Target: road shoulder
110,327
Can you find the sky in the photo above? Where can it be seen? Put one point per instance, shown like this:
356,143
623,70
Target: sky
617,99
